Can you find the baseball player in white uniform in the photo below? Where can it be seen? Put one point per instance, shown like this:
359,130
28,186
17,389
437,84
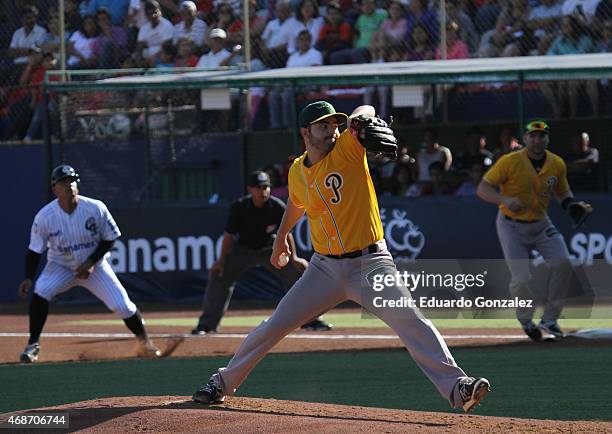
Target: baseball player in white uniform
77,232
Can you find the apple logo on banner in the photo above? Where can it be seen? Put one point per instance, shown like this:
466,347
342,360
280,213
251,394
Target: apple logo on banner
403,237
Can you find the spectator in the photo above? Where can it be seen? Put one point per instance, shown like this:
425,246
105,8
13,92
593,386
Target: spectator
604,45
217,56
486,16
224,17
508,28
277,187
110,48
135,20
281,102
235,32
544,18
27,38
308,18
507,142
432,152
421,14
190,26
336,34
185,56
167,56
118,9
401,181
154,32
470,185
72,17
34,75
81,43
475,151
420,46
367,24
583,164
391,33
467,30
455,47
582,8
272,48
574,39
438,183
52,40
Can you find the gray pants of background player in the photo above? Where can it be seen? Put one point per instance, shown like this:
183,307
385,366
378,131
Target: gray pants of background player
517,241
328,282
219,289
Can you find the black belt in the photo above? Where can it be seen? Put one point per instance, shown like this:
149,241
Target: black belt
521,221
372,248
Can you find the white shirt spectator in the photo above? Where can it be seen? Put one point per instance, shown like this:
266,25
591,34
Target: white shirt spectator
83,45
32,40
140,19
197,33
155,37
312,57
213,60
424,159
313,26
277,33
588,7
235,4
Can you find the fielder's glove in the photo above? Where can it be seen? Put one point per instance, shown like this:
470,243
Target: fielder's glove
375,135
579,212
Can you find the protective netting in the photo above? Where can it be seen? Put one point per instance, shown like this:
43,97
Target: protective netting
283,33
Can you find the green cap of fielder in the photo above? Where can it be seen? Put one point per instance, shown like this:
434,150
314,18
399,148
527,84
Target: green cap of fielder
317,111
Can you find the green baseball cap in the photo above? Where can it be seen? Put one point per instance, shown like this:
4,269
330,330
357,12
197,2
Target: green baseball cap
317,111
537,125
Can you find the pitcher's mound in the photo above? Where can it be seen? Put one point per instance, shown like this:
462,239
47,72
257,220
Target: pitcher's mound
240,415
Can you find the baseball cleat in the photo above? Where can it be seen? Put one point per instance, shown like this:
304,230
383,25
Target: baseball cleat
146,348
30,353
551,327
472,391
531,330
317,325
210,393
202,331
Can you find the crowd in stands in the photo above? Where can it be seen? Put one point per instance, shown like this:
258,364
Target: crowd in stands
286,33
432,169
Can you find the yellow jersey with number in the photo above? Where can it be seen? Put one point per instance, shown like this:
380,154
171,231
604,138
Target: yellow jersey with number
515,176
339,198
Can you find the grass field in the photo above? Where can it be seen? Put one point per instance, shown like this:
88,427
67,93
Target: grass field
355,319
565,384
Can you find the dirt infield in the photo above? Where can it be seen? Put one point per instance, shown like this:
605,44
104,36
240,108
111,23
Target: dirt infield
110,347
239,415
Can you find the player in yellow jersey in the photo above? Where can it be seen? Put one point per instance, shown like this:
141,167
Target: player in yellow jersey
522,184
331,183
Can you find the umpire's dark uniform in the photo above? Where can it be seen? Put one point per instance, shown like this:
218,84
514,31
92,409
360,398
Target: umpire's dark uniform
254,229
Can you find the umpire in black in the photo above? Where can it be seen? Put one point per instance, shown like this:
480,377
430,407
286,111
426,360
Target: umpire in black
247,242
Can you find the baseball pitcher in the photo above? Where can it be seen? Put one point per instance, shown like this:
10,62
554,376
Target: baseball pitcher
331,183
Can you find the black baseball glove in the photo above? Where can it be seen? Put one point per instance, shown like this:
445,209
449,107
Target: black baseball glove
579,212
375,135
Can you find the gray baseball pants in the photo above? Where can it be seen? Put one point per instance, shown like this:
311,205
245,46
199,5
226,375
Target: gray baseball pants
517,240
219,289
328,282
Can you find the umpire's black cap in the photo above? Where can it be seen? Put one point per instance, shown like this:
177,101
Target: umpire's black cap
64,171
258,178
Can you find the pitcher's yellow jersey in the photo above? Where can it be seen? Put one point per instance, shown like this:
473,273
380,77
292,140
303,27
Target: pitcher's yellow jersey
339,198
516,177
